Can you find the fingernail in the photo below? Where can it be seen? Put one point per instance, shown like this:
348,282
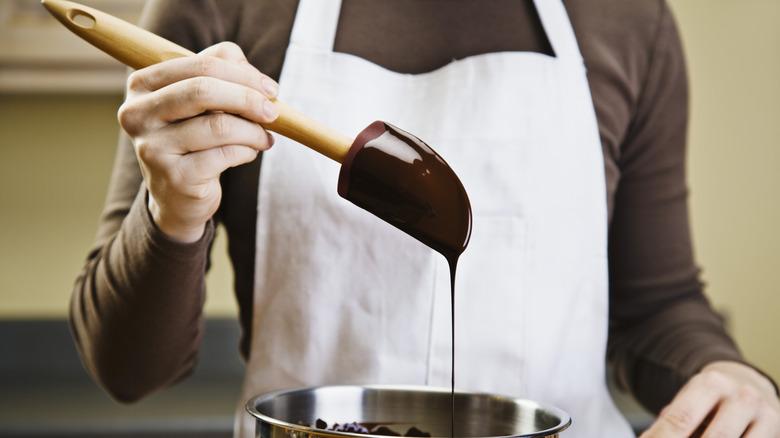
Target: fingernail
270,110
270,87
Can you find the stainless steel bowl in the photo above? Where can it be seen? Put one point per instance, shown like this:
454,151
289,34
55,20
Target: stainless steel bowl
284,414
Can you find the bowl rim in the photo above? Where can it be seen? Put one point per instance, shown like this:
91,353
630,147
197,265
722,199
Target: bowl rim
565,419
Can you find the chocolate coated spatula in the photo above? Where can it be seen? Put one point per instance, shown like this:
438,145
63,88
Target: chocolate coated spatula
385,170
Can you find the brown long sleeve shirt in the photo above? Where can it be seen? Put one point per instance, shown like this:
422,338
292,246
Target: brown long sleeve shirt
137,306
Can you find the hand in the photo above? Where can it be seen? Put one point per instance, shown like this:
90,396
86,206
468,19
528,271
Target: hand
726,399
190,119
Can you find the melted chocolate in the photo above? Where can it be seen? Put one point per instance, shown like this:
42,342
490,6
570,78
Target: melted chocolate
400,179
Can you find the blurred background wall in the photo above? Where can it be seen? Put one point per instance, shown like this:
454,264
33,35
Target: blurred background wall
56,154
57,139
733,51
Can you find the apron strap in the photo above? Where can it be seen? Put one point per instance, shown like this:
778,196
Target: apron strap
557,26
315,24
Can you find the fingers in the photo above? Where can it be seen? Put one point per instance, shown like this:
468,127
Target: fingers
215,142
235,141
220,79
724,400
192,97
688,410
736,412
195,96
217,129
190,119
216,160
225,61
767,425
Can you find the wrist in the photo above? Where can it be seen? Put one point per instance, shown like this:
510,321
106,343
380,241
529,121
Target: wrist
174,229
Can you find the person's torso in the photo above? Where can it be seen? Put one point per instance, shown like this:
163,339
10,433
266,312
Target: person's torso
264,32
342,298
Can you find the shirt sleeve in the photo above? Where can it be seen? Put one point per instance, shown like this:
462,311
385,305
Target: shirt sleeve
662,327
136,308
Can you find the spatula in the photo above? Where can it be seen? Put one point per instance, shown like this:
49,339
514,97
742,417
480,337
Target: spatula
423,198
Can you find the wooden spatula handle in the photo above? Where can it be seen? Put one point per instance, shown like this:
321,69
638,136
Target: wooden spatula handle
139,48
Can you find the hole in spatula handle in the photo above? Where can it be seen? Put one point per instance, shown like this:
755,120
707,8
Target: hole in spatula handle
81,18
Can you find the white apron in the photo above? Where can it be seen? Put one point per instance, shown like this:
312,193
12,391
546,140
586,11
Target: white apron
341,297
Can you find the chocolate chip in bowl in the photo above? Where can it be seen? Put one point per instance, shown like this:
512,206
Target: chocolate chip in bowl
366,429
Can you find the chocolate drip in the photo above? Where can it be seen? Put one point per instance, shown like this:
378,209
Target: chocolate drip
400,179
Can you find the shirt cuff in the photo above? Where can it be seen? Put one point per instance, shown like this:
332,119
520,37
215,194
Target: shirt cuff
161,242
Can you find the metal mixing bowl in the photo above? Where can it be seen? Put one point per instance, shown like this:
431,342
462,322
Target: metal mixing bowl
284,414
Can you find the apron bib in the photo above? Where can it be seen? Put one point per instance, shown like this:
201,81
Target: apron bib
341,297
